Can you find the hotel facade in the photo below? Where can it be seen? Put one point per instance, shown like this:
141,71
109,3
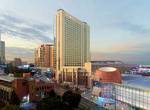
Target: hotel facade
72,41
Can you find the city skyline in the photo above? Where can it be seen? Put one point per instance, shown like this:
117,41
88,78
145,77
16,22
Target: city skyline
119,30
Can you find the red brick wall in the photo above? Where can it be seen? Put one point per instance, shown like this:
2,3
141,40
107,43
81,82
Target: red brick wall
36,87
114,76
20,87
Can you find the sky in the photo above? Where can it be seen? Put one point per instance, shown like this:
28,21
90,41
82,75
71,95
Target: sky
119,29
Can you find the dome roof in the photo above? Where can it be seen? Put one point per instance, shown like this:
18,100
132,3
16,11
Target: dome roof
108,74
107,69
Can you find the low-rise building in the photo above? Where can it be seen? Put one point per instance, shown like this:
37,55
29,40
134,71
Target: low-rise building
34,87
77,75
11,86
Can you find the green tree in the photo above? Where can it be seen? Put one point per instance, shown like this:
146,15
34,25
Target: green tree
2,104
51,102
10,107
14,99
71,98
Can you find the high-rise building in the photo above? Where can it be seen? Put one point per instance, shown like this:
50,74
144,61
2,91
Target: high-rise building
72,45
44,55
2,51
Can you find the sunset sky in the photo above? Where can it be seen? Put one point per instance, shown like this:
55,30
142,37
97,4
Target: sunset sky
120,29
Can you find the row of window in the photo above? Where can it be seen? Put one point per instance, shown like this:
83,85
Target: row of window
43,88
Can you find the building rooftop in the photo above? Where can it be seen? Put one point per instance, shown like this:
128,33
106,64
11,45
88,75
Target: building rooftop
107,69
43,78
7,78
60,10
106,62
137,81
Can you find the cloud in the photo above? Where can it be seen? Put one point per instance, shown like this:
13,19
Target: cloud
134,28
19,27
140,58
23,53
23,35
130,47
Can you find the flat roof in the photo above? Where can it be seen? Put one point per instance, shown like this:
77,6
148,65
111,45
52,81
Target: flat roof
7,78
108,69
43,78
137,81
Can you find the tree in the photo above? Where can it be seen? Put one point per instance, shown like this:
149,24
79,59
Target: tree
71,98
10,107
51,102
2,104
14,99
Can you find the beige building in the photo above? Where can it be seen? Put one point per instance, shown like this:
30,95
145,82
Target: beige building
44,56
72,46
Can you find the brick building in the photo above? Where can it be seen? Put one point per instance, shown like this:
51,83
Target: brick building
36,88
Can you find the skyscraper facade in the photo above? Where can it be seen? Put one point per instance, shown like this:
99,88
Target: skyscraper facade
44,55
2,52
72,44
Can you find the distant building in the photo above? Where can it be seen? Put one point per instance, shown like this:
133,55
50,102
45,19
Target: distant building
44,56
2,51
72,47
17,62
24,62
108,63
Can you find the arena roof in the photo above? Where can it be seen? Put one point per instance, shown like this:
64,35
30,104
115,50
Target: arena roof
107,69
137,81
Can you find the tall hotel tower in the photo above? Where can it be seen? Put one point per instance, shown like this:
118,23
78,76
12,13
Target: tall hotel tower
72,46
